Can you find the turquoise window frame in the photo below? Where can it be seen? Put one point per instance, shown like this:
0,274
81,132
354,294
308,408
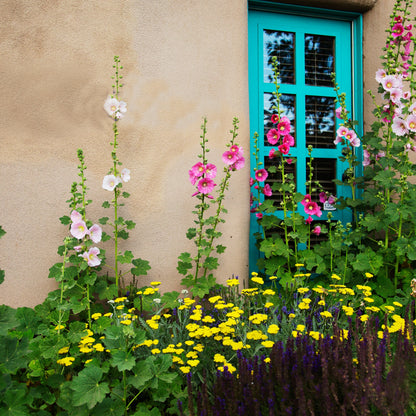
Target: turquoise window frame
264,15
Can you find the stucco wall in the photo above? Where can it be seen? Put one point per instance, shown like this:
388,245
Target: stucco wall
182,60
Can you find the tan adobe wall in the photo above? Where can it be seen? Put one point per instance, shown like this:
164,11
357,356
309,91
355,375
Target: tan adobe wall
183,60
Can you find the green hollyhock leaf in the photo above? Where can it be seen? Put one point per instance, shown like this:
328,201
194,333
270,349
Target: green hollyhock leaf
87,387
211,263
123,234
106,204
126,258
125,194
170,300
65,220
13,354
130,224
369,261
2,274
105,236
142,410
8,319
103,220
114,338
191,233
122,360
142,266
109,407
220,248
142,373
2,232
15,400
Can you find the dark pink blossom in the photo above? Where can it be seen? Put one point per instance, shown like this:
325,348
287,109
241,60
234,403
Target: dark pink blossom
322,197
261,175
210,171
272,153
229,157
306,199
205,185
284,148
267,190
312,208
273,136
397,30
275,118
308,220
289,140
317,230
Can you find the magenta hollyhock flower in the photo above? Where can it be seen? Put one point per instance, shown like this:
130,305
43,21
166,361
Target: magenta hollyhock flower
110,182
338,112
79,230
411,122
331,199
399,126
192,177
289,161
397,30
284,126
229,157
238,164
322,197
205,185
237,149
306,199
261,175
125,175
289,140
272,153
267,190
317,230
91,256
259,215
284,148
95,233
251,181
198,169
275,118
308,220
273,136
76,216
210,171
312,208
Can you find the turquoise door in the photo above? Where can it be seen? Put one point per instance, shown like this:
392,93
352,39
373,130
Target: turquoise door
308,49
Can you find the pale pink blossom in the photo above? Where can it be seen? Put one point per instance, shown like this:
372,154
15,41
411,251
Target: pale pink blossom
411,122
91,256
331,199
95,233
338,112
366,158
342,131
338,139
78,249
115,108
355,141
125,175
350,135
76,216
380,154
79,230
110,182
238,164
380,75
395,95
399,126
205,185
389,82
261,175
412,109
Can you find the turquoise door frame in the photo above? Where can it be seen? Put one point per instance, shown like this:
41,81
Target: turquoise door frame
346,31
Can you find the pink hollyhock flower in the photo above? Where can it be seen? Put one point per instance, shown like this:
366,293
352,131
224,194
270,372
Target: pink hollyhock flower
115,108
95,233
289,140
237,149
275,118
273,136
411,122
261,175
76,216
79,230
342,131
380,74
350,135
356,142
380,154
198,169
110,182
284,126
205,185
251,181
229,157
397,30
399,126
408,27
238,164
331,199
366,158
192,177
391,81
91,256
125,175
308,220
272,153
289,161
322,197
78,249
312,208
338,112
339,139
412,109
267,190
259,215
210,171
284,148
317,230
395,95
306,199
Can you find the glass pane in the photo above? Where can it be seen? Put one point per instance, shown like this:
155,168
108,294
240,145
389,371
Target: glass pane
282,46
324,172
319,60
276,177
320,122
286,107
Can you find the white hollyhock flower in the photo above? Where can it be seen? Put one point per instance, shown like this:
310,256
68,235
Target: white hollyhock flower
125,175
115,108
110,182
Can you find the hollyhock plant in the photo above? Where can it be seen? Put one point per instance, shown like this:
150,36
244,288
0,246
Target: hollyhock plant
110,182
91,256
125,175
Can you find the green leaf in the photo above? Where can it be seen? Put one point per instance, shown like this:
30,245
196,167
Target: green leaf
8,319
142,373
125,194
2,232
142,266
109,407
122,360
123,234
105,236
13,354
130,224
106,204
103,220
369,261
127,257
65,220
211,263
15,400
191,233
2,274
87,387
170,299
220,248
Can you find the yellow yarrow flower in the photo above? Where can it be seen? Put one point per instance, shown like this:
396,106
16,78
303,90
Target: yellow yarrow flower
96,315
185,369
267,344
67,361
326,314
155,283
303,290
364,318
268,305
257,280
63,350
348,310
233,282
192,363
118,300
214,299
269,292
58,327
368,275
397,304
218,358
273,329
126,322
98,347
335,277
272,277
303,305
300,328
